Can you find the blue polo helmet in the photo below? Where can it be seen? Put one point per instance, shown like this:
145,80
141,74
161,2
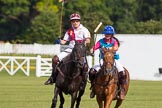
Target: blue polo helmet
109,30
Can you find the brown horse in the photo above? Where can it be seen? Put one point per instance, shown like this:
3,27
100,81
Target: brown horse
107,86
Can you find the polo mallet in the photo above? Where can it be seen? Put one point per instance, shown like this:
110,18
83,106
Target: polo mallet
95,36
95,31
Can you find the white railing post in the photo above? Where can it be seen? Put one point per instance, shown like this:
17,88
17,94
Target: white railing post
38,66
12,66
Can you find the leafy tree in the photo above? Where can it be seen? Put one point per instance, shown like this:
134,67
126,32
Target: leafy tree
38,20
149,10
13,18
149,27
45,26
44,29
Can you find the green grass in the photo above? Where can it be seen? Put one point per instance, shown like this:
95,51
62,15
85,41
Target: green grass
20,91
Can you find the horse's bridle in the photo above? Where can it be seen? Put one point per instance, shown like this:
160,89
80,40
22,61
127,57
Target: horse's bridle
79,56
106,70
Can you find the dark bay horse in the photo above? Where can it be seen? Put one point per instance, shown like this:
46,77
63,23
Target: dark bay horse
106,86
69,78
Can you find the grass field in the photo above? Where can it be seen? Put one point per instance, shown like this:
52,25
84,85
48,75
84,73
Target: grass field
20,91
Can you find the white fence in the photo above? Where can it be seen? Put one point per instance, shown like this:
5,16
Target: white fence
8,48
13,64
141,54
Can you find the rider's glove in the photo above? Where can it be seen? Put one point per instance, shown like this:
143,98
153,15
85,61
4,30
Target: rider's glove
58,41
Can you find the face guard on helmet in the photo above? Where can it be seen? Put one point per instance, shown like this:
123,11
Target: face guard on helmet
109,30
75,16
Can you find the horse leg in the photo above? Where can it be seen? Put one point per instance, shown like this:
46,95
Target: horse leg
108,101
73,99
118,103
99,101
54,100
62,100
81,92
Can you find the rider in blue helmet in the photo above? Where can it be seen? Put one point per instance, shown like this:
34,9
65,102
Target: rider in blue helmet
108,41
109,30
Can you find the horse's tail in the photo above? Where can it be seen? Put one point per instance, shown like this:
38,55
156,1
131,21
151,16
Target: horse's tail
127,79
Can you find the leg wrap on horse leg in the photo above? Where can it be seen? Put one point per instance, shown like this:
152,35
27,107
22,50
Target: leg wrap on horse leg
122,82
52,78
84,76
85,72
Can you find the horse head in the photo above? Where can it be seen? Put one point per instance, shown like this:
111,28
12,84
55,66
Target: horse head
108,58
79,53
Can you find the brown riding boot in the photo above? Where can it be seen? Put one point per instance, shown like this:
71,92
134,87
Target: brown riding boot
92,74
122,82
52,78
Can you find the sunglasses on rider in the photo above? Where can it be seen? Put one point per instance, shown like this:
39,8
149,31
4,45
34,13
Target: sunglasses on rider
75,21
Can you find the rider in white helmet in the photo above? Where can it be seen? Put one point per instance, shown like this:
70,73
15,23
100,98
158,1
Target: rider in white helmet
76,33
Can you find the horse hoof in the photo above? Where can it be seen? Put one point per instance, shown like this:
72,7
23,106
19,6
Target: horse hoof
61,106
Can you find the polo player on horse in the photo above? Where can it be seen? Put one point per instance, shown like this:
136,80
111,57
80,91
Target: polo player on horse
108,41
77,33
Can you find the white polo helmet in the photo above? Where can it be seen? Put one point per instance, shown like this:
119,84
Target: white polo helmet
75,16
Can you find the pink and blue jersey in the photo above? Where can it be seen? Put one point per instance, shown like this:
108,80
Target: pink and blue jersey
107,44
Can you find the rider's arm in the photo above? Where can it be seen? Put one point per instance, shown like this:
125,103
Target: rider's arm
87,36
115,47
64,39
97,46
87,41
62,42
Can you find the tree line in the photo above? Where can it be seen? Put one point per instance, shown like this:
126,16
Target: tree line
38,21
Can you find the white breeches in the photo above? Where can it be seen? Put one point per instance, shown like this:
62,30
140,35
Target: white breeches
116,63
64,53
